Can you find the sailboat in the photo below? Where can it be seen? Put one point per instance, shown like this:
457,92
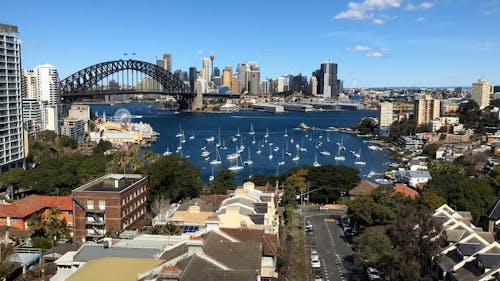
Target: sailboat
211,178
282,162
258,149
210,139
339,157
286,133
358,154
217,160
253,139
325,153
358,159
270,153
234,155
288,153
167,152
238,133
180,133
249,161
192,137
302,148
236,167
296,157
218,141
267,133
316,163
224,147
180,145
242,147
252,132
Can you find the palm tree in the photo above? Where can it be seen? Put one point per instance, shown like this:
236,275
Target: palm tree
54,226
171,229
37,225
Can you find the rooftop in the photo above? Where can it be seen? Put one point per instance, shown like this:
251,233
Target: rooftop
111,183
112,268
91,252
31,204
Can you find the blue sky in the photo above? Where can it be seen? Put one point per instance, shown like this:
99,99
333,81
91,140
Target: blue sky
375,42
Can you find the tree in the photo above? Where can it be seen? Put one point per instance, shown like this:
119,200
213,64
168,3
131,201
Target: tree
6,266
417,237
469,114
431,200
174,178
47,136
65,141
102,146
333,180
55,227
430,149
442,167
13,178
375,249
403,128
125,161
223,181
493,178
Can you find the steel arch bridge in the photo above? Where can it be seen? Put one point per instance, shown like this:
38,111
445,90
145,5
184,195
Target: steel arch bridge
83,83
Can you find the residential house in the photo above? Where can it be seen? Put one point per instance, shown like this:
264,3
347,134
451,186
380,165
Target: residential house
363,188
412,178
17,213
406,191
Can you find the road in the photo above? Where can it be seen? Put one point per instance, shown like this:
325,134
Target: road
336,255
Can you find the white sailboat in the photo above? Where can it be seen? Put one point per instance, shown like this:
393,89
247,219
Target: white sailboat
236,167
288,153
270,154
205,153
267,133
217,160
233,156
167,152
242,147
296,157
358,159
180,134
316,163
251,132
282,162
192,137
286,134
325,153
218,140
249,161
253,139
339,156
259,151
238,133
224,147
211,178
210,139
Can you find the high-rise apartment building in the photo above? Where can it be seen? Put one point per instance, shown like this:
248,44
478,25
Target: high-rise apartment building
328,83
11,123
385,118
32,116
193,75
29,84
48,94
165,62
427,109
242,73
205,69
313,83
227,75
254,82
481,91
235,85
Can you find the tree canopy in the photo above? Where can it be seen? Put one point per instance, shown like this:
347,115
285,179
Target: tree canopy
333,180
174,178
223,181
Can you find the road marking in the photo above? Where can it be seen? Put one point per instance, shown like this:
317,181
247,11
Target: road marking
329,220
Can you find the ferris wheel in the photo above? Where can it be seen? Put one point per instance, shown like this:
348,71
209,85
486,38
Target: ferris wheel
122,116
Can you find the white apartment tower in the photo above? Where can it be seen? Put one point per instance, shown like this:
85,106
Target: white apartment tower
48,94
29,84
205,69
11,123
165,62
385,114
481,93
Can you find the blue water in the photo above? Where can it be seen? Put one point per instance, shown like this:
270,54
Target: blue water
204,125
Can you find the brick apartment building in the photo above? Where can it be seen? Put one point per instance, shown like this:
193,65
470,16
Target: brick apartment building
111,203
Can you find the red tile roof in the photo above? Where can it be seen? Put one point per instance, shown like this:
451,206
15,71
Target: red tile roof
29,205
406,191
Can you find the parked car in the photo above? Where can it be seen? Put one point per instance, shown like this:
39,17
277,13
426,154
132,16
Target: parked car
309,226
315,263
373,274
314,252
323,208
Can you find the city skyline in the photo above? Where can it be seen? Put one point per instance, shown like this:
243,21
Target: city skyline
376,43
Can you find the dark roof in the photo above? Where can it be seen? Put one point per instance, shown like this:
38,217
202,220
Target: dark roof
215,200
468,249
204,205
195,268
245,234
489,260
364,188
174,252
260,208
257,218
235,255
111,183
62,249
493,212
92,252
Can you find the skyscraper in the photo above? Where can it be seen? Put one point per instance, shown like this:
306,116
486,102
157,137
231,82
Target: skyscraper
241,70
481,93
254,82
28,87
48,94
192,77
11,123
427,109
205,69
314,85
328,84
165,62
227,74
385,118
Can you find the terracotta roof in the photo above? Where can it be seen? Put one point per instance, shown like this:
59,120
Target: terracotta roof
406,191
28,205
364,188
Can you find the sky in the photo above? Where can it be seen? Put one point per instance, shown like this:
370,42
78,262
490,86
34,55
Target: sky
376,43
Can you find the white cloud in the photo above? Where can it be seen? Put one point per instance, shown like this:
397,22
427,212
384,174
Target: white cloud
365,9
420,19
378,21
200,52
375,54
359,48
421,6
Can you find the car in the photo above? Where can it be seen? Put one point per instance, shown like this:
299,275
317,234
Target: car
314,257
309,226
315,263
324,208
373,274
318,278
314,252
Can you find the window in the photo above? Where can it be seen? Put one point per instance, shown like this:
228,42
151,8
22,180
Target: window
15,220
102,204
90,204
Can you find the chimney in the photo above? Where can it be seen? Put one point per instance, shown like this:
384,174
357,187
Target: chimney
212,223
117,183
170,273
195,245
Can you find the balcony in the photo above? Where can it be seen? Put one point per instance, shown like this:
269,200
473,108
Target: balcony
95,232
94,220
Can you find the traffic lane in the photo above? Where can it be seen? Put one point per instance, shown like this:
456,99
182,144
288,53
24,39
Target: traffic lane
337,254
326,245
